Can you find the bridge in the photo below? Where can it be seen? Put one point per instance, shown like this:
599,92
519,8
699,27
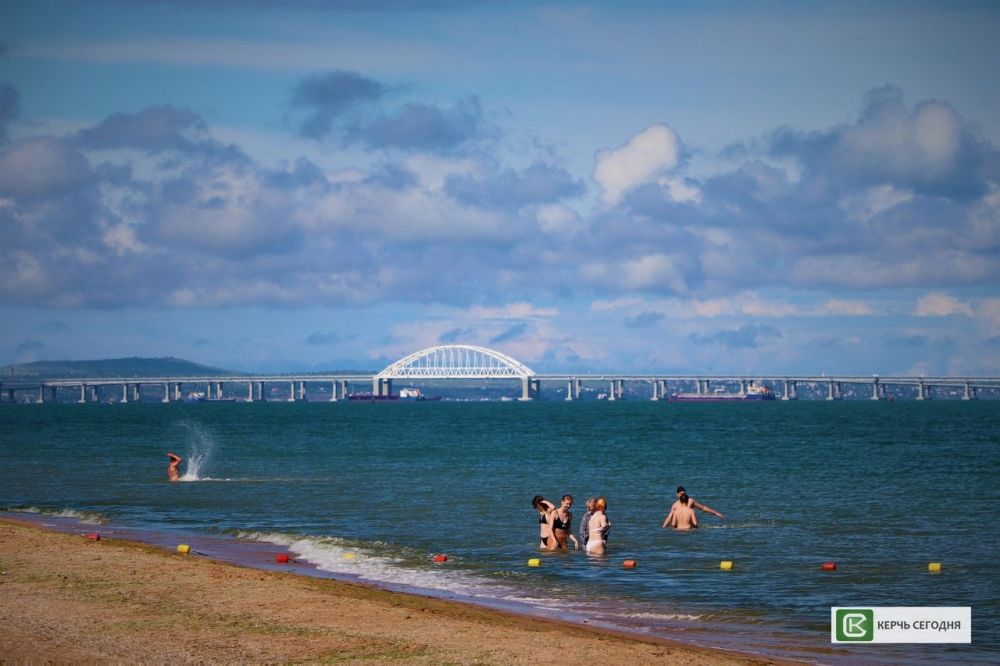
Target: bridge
468,362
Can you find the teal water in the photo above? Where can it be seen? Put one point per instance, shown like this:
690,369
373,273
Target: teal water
882,489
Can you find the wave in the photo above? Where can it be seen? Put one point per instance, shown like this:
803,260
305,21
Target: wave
85,517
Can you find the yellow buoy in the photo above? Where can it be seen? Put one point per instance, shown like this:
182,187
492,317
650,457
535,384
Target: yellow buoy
534,562
348,556
934,567
183,548
726,564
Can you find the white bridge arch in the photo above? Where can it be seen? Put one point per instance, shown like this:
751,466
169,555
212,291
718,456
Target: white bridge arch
456,362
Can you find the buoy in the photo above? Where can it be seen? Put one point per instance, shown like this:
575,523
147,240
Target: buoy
348,556
828,566
726,564
440,558
94,536
534,562
934,567
629,564
183,548
281,558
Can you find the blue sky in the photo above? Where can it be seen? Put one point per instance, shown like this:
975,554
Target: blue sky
593,186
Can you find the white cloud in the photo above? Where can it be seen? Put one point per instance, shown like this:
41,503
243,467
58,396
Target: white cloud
870,202
558,219
512,311
653,150
941,305
836,306
681,190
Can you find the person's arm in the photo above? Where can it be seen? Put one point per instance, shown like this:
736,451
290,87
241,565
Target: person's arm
174,457
576,544
669,520
694,519
706,509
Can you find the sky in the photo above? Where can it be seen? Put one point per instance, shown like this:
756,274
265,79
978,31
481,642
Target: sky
641,187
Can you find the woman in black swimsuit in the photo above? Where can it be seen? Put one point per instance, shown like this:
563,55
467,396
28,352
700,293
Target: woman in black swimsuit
562,524
545,508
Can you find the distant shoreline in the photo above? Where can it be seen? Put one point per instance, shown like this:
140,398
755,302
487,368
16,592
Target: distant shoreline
67,598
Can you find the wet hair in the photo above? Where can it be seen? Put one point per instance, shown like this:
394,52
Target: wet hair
567,497
680,489
538,502
600,504
683,499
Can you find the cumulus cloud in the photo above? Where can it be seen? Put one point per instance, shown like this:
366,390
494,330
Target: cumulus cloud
324,97
654,150
928,148
941,305
154,129
421,127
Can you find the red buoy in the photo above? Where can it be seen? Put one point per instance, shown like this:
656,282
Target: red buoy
629,564
829,566
94,536
440,558
281,559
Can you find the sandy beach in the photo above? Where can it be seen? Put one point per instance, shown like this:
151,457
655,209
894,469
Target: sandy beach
65,598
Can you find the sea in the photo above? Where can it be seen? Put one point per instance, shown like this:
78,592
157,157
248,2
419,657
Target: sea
372,492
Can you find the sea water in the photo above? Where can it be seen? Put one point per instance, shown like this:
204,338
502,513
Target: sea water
373,491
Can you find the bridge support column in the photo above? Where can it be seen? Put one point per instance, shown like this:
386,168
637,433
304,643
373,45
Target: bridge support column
921,390
136,392
125,393
94,397
569,390
302,390
177,391
834,391
249,391
529,388
876,392
656,390
791,390
53,394
166,392
969,392
41,394
291,391
381,387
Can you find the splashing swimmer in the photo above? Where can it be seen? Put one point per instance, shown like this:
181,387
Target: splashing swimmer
174,467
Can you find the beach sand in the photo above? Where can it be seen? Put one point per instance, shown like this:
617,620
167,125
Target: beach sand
64,598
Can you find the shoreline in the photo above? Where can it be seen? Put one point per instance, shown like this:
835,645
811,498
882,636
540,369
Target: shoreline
66,598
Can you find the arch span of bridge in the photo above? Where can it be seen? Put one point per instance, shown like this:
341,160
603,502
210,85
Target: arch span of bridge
457,362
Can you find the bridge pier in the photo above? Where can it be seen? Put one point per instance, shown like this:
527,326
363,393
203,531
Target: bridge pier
381,387
656,390
969,392
833,391
125,393
922,390
876,392
791,390
530,388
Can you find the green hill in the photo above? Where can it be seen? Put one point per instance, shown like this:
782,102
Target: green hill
112,367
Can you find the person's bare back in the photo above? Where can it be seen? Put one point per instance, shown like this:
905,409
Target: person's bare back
174,467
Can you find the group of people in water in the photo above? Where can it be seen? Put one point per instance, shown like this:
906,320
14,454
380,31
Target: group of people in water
555,523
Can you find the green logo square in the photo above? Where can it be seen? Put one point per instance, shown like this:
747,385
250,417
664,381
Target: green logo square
855,624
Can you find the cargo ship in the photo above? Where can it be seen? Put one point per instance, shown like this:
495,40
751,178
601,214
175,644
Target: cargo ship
753,393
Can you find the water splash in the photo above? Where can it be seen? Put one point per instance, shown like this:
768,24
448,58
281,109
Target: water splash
201,451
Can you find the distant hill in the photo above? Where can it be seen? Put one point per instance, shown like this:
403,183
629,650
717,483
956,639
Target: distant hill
112,367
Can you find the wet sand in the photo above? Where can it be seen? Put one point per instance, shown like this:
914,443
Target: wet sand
65,598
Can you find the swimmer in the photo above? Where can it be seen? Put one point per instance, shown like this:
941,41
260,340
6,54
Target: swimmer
681,516
544,508
596,525
696,505
174,467
561,524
